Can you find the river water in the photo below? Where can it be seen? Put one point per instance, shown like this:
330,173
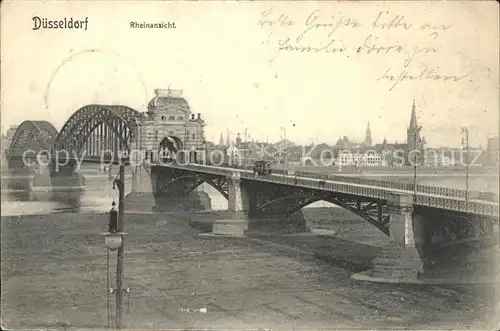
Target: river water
99,194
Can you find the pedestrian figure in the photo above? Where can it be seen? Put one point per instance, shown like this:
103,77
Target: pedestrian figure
113,219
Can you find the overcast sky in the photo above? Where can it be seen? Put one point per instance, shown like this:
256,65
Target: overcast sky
232,71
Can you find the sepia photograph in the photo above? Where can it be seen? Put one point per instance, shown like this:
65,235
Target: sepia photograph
250,165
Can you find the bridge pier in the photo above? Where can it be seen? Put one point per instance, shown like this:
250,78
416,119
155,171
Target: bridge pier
403,258
238,200
238,205
418,235
148,194
243,218
19,169
18,182
141,198
65,185
42,178
63,178
42,183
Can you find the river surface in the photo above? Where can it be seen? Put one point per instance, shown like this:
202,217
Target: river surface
99,194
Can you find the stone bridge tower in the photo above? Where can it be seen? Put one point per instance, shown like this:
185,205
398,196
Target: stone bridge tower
169,115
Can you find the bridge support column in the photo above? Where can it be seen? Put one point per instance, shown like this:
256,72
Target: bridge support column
402,259
141,198
238,204
64,184
64,178
237,199
199,194
155,188
144,181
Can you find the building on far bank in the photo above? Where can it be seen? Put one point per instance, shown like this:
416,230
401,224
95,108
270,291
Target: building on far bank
454,157
357,159
345,143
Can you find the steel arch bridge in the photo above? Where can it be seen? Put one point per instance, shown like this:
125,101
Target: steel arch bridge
93,129
277,198
32,135
270,199
90,131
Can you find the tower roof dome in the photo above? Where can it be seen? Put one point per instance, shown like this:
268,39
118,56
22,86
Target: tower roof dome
166,97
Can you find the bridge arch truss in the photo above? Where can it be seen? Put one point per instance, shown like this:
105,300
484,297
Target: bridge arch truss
186,183
270,199
94,129
32,135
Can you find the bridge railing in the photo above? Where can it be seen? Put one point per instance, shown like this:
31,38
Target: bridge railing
435,190
375,192
381,192
209,169
473,207
442,191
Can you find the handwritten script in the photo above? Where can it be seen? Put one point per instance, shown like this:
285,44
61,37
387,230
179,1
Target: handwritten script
407,44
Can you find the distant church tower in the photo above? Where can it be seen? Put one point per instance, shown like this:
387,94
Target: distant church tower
228,142
368,136
238,141
413,140
221,140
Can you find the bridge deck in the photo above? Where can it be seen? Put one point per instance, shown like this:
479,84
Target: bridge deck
474,206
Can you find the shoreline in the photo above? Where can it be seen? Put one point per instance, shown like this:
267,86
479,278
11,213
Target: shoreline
95,209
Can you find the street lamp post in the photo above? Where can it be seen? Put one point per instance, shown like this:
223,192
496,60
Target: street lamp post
415,141
285,163
114,240
283,148
246,150
465,130
120,183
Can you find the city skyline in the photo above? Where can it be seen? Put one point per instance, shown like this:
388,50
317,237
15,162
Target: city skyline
315,96
232,136
368,141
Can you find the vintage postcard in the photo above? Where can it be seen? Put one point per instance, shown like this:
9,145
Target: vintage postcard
250,165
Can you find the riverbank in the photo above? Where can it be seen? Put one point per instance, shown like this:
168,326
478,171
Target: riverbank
54,275
344,239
